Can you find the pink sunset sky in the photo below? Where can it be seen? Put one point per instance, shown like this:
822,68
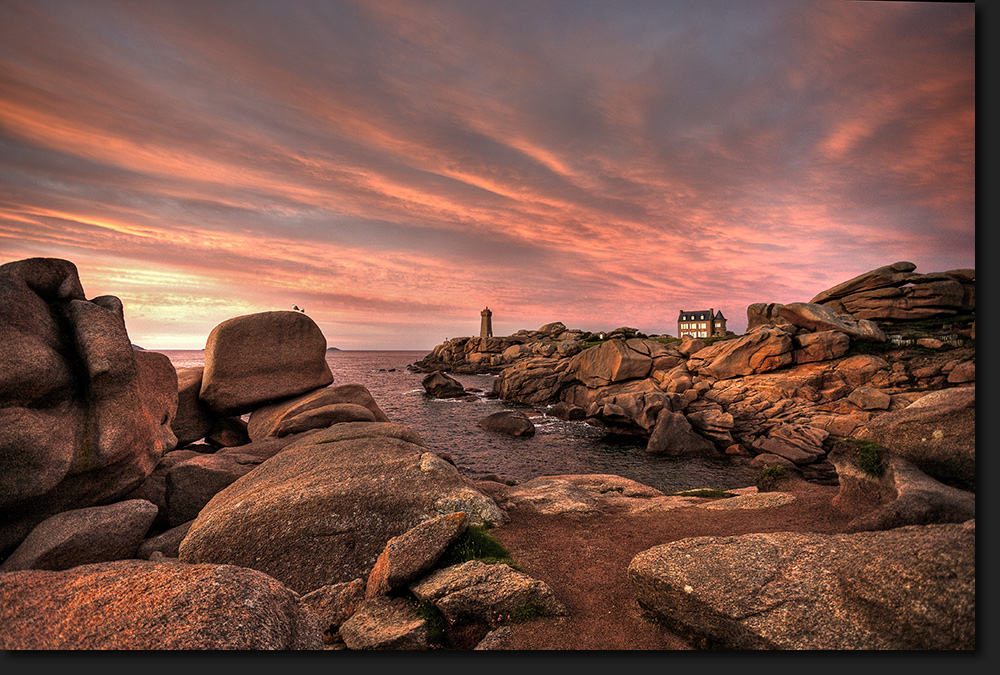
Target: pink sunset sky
394,166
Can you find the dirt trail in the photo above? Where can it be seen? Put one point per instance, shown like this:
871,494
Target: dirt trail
585,562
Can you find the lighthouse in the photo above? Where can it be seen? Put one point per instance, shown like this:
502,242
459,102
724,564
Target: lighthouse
486,326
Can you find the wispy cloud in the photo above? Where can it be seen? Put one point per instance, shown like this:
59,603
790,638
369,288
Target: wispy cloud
394,166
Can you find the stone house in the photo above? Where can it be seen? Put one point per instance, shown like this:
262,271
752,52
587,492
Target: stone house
701,323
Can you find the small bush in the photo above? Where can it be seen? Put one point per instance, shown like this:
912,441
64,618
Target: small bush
768,477
429,612
476,544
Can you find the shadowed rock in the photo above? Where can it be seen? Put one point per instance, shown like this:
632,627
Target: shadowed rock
442,385
193,420
673,436
82,536
142,605
165,543
227,432
84,418
902,495
936,433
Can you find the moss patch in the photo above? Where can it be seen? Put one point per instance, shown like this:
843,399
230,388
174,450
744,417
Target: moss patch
476,543
868,455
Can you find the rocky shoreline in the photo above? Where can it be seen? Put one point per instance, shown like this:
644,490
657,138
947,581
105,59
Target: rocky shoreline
254,503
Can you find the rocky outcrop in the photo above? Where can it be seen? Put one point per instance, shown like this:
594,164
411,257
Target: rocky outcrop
491,354
894,495
936,433
322,510
84,417
261,358
897,293
793,367
908,588
132,605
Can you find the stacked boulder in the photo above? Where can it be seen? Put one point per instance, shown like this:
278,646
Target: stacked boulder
84,416
896,293
107,494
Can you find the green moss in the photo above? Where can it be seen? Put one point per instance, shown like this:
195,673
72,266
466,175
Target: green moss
476,544
526,612
869,455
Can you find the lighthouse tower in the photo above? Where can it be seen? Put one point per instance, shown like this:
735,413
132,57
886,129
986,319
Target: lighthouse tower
486,326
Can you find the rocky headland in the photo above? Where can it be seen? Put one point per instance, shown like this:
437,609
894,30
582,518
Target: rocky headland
255,503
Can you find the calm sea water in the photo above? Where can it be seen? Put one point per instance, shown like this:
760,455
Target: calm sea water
558,446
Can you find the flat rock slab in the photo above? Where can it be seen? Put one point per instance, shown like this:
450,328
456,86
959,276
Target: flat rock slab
912,587
762,500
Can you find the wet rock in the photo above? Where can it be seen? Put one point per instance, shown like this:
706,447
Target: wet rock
510,422
442,385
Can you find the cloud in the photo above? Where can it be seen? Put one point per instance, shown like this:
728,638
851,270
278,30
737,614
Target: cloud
401,164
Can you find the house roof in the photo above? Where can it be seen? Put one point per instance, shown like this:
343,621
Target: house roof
695,315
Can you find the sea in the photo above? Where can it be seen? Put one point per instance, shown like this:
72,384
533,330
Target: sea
558,446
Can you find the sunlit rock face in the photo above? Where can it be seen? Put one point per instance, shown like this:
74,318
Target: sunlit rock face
321,510
897,293
262,358
84,417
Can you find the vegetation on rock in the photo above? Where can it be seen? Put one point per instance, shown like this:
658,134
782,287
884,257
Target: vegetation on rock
476,543
869,455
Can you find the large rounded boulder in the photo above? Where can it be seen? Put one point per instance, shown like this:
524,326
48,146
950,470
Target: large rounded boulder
261,358
84,417
321,511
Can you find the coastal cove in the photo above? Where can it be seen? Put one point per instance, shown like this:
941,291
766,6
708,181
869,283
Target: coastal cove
558,446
